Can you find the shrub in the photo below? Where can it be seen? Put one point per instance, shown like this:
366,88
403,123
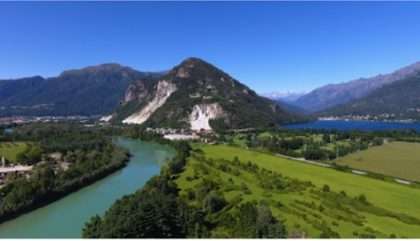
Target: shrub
362,198
214,202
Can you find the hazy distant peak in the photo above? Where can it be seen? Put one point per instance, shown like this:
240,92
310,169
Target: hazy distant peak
335,94
285,96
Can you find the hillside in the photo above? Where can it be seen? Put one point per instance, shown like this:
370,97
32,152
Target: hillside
93,90
312,201
399,100
197,95
292,108
335,94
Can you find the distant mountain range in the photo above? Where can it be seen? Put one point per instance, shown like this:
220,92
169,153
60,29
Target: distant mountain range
287,97
332,95
194,94
93,90
286,100
399,100
197,95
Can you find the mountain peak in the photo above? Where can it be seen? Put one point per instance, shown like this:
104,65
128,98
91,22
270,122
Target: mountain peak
193,60
195,63
196,68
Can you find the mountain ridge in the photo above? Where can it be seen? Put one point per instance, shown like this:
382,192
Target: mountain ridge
396,101
336,94
93,90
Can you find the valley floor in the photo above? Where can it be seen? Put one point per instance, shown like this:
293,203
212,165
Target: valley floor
397,159
313,201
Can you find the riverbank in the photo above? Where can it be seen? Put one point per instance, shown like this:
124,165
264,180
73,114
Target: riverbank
367,118
61,191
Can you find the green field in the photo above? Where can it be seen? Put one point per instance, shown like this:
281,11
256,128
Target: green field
10,150
397,159
295,193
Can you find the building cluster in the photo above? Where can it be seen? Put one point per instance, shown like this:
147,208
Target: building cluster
379,117
184,134
44,119
7,170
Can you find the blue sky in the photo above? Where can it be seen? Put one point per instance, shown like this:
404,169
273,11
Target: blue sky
270,46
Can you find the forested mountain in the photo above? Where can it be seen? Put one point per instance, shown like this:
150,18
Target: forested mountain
292,108
93,90
399,100
335,94
197,95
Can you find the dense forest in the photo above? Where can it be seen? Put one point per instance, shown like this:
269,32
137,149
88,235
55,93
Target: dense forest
86,154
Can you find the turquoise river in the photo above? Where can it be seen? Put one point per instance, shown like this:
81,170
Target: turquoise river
65,218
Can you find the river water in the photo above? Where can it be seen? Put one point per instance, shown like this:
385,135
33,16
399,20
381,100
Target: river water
66,217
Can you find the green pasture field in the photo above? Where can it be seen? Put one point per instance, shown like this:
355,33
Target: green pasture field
10,150
302,203
397,159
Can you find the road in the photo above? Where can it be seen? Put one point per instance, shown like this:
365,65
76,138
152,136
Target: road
18,168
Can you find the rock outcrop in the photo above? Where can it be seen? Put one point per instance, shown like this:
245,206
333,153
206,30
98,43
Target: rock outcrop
202,114
164,89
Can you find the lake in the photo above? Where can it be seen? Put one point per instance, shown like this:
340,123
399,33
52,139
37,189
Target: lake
8,130
66,217
343,125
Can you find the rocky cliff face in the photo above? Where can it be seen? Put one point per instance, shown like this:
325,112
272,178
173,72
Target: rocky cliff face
197,95
164,89
202,114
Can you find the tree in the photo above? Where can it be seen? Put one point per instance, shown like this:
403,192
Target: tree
44,179
326,138
328,233
214,202
246,221
266,225
362,198
257,222
92,228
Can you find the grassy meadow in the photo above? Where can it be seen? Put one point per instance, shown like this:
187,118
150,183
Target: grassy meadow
10,150
350,206
397,159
